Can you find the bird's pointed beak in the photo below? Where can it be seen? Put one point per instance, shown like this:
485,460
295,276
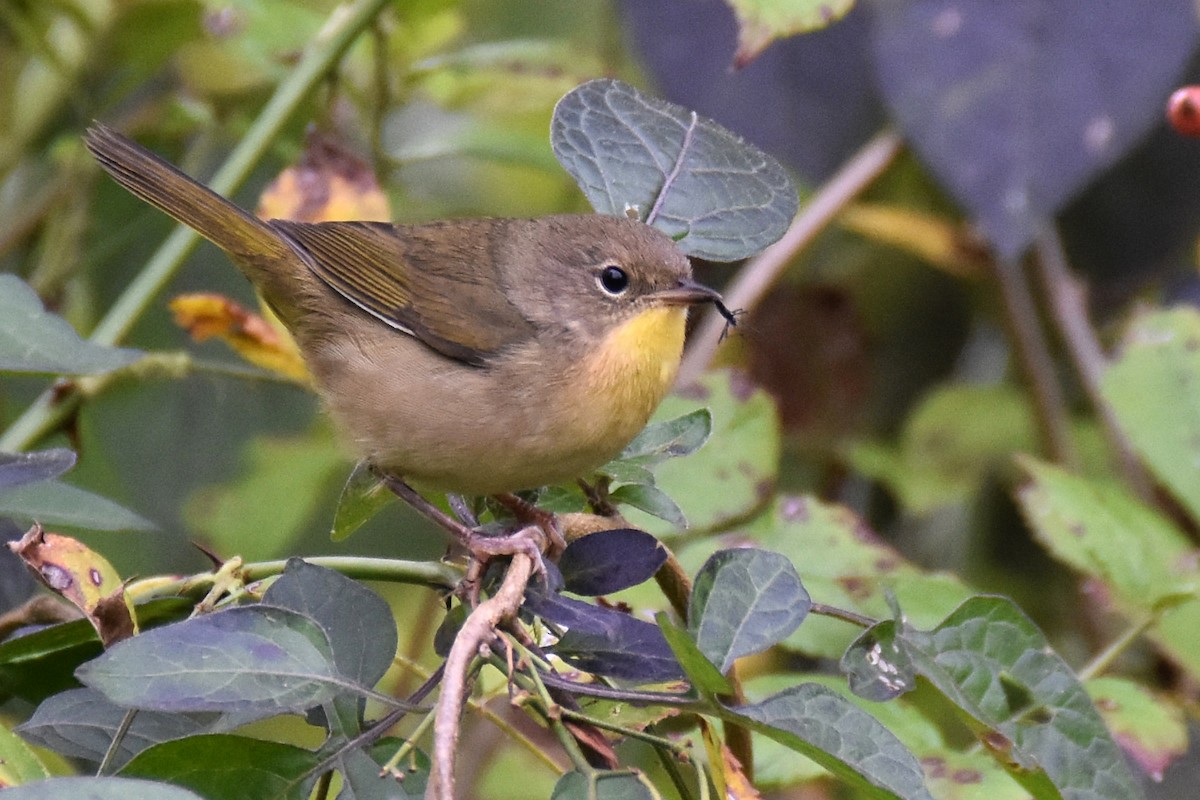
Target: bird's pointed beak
689,293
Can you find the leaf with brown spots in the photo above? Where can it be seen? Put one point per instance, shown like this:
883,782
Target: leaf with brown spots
1151,730
81,576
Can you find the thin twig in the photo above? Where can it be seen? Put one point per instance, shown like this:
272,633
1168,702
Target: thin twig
1105,657
761,272
1033,355
844,615
1067,298
114,746
476,631
343,27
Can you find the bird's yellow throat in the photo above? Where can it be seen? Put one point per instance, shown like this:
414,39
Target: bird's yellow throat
635,364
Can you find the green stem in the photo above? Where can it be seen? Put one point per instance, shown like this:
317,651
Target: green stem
344,26
552,712
1115,648
427,573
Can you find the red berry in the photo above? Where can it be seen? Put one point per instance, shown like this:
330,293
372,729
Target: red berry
1183,111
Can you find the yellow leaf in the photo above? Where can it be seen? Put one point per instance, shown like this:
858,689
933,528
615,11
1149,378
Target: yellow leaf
262,342
942,242
329,184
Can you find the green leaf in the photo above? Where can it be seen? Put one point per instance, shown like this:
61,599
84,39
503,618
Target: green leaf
54,503
17,469
671,438
280,490
363,496
734,474
82,723
719,197
604,785
842,562
224,765
698,668
1154,388
246,659
357,622
652,500
821,724
776,765
744,601
98,789
993,663
18,764
1144,560
1101,530
34,340
1151,730
761,22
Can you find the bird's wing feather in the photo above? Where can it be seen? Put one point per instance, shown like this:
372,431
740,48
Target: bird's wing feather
428,285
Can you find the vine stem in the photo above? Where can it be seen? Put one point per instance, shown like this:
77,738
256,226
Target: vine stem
1101,661
1033,354
425,573
343,27
1067,297
761,272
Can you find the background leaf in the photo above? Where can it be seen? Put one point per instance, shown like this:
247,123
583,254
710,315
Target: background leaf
20,468
1143,560
761,22
1159,361
1003,104
719,197
56,503
18,764
34,340
604,785
1151,730
734,474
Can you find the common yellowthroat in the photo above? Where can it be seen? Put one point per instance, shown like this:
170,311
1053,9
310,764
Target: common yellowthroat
478,356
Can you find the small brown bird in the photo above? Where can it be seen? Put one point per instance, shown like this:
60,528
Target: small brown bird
478,356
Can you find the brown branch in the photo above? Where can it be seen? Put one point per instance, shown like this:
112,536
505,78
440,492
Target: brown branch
477,631
761,272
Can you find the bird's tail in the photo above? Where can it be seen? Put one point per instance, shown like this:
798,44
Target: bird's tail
250,240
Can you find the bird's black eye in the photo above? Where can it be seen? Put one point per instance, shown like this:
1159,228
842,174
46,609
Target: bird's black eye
613,280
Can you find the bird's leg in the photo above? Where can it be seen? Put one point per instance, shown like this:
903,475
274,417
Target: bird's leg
482,549
529,514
